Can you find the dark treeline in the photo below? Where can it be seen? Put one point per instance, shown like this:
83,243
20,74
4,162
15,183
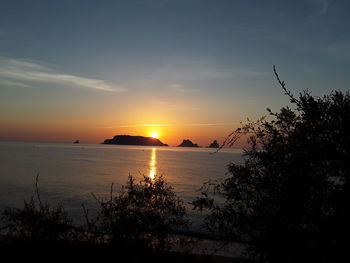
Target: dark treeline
287,202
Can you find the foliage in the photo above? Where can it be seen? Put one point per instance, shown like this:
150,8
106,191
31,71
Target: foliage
289,199
143,215
37,221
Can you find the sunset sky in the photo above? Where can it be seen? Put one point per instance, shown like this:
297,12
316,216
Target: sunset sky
188,69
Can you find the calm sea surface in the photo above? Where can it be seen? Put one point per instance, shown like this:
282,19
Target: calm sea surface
69,173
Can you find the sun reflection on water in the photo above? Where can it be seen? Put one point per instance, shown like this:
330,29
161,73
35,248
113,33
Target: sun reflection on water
152,163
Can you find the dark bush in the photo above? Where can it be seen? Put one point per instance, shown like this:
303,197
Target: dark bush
143,215
289,199
139,223
37,221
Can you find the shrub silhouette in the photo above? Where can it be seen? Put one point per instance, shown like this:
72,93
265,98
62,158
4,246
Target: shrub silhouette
37,221
289,199
142,215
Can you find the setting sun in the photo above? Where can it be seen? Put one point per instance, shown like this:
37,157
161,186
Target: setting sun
154,134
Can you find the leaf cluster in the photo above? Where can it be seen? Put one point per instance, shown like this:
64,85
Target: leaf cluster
37,221
144,214
288,200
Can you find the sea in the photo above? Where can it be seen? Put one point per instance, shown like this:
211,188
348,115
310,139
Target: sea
72,174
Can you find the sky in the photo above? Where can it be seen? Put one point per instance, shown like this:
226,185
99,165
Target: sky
188,69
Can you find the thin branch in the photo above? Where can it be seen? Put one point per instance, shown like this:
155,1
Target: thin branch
96,199
37,190
86,214
224,244
283,85
228,140
111,193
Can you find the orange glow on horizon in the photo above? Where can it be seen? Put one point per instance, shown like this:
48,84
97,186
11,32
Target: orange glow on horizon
172,135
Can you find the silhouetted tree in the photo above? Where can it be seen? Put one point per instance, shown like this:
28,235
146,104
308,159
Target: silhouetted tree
289,199
37,221
143,215
138,223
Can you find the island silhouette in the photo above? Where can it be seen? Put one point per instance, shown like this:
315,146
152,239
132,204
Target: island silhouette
214,144
188,143
134,140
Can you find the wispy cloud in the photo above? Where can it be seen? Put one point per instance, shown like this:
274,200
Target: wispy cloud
144,125
19,71
15,64
175,73
209,124
164,125
13,84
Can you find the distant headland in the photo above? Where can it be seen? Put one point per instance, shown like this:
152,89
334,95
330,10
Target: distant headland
134,140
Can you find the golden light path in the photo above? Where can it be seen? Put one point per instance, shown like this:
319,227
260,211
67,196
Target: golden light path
153,163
